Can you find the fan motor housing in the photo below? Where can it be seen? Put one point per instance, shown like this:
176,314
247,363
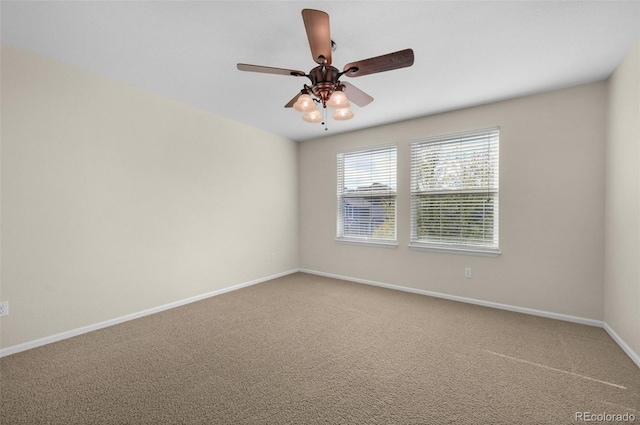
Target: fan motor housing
324,74
324,80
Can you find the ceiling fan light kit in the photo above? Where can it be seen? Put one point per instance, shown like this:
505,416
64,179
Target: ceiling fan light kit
313,116
343,114
304,103
326,87
338,100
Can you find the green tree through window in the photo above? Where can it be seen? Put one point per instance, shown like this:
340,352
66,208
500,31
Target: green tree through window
454,194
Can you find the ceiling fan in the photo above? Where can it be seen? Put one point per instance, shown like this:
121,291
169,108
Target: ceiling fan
326,89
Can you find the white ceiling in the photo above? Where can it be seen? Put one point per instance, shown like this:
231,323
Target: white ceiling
466,53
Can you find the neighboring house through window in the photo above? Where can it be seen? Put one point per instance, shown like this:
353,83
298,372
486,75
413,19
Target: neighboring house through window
366,195
454,192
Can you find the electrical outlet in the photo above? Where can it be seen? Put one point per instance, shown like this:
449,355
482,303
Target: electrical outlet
4,308
273,256
467,272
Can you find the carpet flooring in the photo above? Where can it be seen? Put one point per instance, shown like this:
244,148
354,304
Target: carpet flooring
304,349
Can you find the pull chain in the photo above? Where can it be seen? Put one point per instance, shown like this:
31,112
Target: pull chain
325,118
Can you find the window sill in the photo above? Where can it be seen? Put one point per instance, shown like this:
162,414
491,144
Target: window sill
369,242
455,250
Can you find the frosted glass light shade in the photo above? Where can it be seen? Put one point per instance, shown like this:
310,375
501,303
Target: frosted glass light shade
343,114
313,116
304,103
338,100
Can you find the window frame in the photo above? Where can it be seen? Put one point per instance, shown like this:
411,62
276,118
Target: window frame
340,238
492,184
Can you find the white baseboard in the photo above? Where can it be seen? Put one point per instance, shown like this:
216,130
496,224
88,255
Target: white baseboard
558,316
79,331
634,356
567,318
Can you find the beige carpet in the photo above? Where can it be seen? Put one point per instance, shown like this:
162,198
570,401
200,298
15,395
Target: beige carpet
305,349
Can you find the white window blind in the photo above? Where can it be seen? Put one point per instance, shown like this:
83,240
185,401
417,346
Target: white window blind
454,191
366,195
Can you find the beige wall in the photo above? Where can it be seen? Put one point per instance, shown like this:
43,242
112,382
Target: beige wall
622,247
551,206
115,200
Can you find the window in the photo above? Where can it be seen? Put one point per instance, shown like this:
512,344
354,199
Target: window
366,201
454,192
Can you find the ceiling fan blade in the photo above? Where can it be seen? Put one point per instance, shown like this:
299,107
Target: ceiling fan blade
316,22
387,62
270,70
356,95
292,101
